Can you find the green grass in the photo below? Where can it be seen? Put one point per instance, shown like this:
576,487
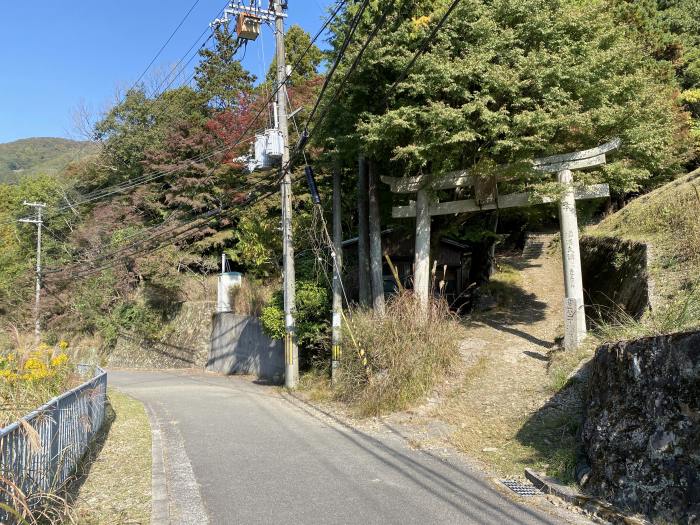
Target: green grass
667,220
115,485
503,286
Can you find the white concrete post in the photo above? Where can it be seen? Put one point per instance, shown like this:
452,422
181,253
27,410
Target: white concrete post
571,255
421,277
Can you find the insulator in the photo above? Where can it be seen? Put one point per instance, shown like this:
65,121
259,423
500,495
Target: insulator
312,184
303,139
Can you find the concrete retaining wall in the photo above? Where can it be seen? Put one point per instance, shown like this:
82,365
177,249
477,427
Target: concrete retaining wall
239,346
184,342
642,428
615,277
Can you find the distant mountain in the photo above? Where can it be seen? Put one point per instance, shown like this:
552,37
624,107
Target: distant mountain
36,156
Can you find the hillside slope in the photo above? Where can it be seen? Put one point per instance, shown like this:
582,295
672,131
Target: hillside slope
667,220
38,156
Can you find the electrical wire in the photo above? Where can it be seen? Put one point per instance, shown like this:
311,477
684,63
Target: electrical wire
308,134
346,42
422,49
184,67
105,192
131,184
114,259
165,44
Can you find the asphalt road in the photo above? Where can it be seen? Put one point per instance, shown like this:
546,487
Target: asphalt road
229,451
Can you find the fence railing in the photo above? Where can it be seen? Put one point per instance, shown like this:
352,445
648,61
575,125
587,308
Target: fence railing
42,450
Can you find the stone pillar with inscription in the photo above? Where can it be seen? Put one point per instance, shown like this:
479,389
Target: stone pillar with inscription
421,272
571,256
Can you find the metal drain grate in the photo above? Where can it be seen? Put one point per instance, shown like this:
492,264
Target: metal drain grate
521,489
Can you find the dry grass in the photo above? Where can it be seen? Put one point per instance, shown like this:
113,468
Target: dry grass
115,485
31,375
112,484
35,509
250,297
407,353
316,385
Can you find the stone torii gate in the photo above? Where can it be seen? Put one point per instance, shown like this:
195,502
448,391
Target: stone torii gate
563,165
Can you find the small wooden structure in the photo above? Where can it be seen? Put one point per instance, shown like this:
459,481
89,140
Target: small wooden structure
451,258
423,208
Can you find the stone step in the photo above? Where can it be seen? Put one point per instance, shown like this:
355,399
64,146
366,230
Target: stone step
536,244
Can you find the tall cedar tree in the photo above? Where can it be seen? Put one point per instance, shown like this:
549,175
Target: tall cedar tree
504,81
300,53
220,76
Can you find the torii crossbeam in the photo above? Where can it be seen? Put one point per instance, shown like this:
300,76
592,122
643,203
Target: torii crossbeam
563,165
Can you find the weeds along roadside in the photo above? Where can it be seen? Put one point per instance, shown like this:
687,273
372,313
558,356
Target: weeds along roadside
408,352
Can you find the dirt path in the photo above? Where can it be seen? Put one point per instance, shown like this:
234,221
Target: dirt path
501,409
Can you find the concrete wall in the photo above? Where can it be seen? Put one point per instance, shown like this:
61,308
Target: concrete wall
642,428
239,346
184,342
615,277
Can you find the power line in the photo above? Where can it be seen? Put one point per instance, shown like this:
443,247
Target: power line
341,53
352,68
131,184
422,49
105,192
308,134
167,42
158,89
424,45
116,259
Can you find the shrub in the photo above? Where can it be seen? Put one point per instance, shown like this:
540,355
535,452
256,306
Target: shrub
31,377
312,318
407,353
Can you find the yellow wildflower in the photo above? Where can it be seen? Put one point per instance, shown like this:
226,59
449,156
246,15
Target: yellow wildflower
420,22
59,360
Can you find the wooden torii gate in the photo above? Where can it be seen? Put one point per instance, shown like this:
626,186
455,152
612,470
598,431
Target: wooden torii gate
563,165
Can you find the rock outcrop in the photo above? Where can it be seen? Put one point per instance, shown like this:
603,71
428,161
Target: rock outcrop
642,429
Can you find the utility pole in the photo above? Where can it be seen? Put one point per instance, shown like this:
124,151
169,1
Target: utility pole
38,207
249,20
337,269
375,242
291,351
363,280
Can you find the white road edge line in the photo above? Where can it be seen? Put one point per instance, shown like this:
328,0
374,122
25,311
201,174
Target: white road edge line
159,490
185,504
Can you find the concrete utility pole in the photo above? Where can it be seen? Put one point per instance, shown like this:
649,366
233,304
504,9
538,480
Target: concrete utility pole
363,234
375,242
291,351
38,207
337,334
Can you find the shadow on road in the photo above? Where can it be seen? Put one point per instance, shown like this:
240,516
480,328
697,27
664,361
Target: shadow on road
466,497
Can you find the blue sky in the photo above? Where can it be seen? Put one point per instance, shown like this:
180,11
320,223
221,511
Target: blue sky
58,55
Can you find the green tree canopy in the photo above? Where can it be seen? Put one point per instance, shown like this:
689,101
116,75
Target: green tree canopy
220,76
296,43
505,81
